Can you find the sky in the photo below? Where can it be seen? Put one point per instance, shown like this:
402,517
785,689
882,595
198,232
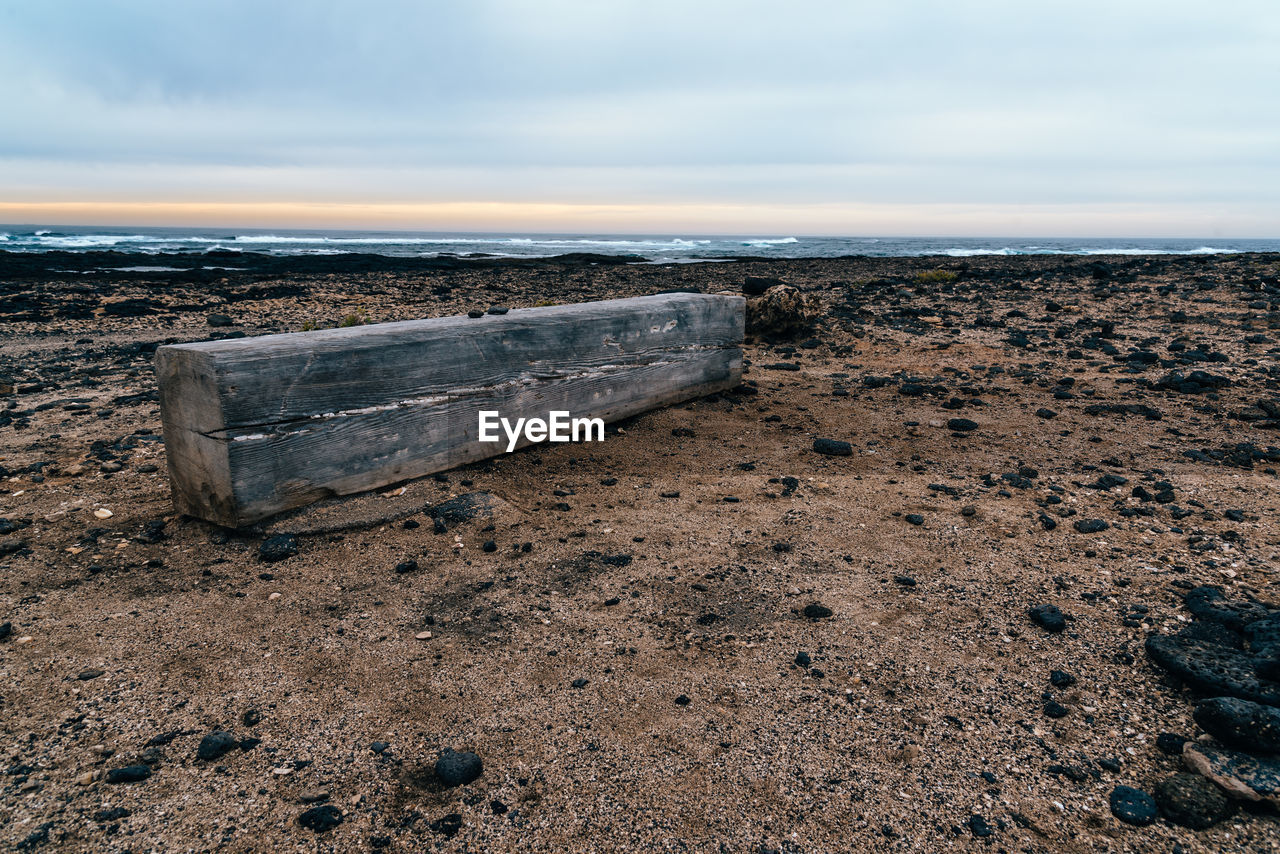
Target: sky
1123,118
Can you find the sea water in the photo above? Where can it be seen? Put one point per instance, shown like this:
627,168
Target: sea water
659,248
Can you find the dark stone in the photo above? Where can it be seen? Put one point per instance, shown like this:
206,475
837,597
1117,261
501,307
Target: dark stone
1252,778
278,548
497,309
961,425
904,580
1264,641
580,682
321,818
1192,801
978,827
683,700
406,566
754,286
1133,806
803,659
1109,481
489,546
1046,413
1090,526
214,745
35,838
128,774
458,769
1054,709
152,532
379,747
474,313
251,717
1072,772
1170,743
219,320
1240,723
1061,679
1212,633
915,519
1048,617
447,826
1195,382
1212,669
832,447
1208,603
817,611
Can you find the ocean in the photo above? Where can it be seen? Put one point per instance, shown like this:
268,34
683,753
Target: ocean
153,242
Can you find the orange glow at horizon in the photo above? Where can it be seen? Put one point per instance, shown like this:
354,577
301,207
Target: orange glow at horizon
688,218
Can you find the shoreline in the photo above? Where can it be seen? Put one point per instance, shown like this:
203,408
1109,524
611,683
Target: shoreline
208,265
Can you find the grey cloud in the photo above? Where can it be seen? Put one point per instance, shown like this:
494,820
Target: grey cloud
978,102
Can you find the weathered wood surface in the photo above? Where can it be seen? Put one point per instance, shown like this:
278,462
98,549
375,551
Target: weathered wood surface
254,426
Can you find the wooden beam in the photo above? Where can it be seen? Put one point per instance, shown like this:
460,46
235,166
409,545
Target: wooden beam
255,426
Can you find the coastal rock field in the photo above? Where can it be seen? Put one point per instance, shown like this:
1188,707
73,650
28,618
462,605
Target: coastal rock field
983,555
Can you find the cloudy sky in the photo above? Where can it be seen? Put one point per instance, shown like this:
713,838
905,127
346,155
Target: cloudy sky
912,117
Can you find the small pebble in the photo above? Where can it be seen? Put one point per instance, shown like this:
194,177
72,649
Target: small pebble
321,818
1133,806
455,768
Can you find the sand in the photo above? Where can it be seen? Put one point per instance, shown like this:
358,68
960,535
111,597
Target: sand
633,662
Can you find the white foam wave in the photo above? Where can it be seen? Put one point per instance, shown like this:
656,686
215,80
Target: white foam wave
777,241
99,241
676,244
1201,250
659,245
971,253
389,241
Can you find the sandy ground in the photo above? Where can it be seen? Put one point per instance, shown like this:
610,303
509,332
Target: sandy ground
630,677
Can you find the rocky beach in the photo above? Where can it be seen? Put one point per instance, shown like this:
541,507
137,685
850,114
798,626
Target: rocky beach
983,554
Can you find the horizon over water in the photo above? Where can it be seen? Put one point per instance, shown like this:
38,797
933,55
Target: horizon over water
152,241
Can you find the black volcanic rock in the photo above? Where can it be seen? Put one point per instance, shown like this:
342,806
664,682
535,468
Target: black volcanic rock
128,774
817,611
1209,603
214,745
1192,801
455,768
1240,723
1212,669
1133,806
278,548
1048,617
322,818
832,447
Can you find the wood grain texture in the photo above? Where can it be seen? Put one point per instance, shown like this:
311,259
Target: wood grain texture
261,425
